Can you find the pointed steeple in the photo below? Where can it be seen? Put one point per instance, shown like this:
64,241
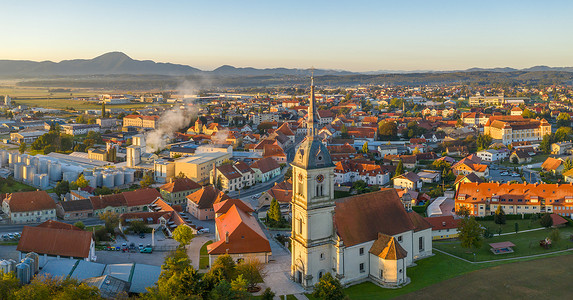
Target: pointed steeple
312,117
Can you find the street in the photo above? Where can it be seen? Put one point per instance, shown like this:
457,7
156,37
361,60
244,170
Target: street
10,228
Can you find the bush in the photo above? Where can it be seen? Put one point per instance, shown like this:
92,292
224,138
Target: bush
555,235
101,235
546,221
421,209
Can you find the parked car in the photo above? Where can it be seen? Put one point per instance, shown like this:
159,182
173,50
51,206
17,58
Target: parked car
146,250
504,173
515,175
203,230
140,246
141,235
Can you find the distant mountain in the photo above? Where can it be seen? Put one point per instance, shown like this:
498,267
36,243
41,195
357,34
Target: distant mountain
111,63
227,70
118,63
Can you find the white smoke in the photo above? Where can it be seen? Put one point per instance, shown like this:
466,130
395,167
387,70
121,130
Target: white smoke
175,119
220,137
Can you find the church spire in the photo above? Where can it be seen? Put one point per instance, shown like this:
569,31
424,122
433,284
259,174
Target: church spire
311,121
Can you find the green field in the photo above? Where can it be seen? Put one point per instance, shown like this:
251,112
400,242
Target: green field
526,243
548,278
42,97
10,186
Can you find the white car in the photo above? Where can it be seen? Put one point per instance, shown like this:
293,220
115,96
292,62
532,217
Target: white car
203,230
504,173
515,175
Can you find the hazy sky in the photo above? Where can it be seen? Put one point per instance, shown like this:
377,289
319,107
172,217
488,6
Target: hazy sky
352,35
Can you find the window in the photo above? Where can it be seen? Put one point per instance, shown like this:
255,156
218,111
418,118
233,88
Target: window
362,268
300,226
400,238
421,243
361,251
321,256
381,273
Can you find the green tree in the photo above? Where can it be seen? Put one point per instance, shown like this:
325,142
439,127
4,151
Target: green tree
178,279
514,160
274,215
528,114
470,233
546,142
516,227
138,226
146,181
252,271
555,236
80,225
8,284
483,141
343,131
268,294
81,182
62,188
111,220
223,269
328,288
546,221
22,148
563,120
365,148
399,168
183,234
388,129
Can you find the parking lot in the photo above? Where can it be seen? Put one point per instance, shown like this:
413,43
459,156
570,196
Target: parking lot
162,247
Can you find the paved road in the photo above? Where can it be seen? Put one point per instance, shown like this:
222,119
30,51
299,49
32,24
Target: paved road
8,228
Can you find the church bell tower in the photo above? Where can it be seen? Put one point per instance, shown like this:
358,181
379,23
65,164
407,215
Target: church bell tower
312,205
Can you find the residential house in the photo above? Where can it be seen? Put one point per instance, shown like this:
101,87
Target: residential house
430,176
561,148
54,240
238,234
265,169
282,192
553,165
520,156
200,203
28,207
483,199
445,227
79,129
176,191
74,209
409,180
108,203
139,200
349,171
471,164
492,154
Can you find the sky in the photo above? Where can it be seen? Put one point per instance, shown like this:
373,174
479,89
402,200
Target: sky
348,35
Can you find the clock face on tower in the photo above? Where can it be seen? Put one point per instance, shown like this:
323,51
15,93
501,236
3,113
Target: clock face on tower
320,178
300,177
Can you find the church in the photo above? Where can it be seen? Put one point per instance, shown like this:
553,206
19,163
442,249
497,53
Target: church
358,238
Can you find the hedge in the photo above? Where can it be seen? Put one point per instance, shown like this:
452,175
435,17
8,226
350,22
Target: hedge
509,217
421,209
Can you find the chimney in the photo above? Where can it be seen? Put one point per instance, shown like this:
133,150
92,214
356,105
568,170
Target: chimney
444,224
227,237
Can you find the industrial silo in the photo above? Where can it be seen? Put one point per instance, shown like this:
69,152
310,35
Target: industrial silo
108,180
55,171
70,176
88,172
99,178
129,176
44,181
12,158
28,172
92,181
13,264
4,266
43,166
18,171
119,178
36,258
32,264
23,273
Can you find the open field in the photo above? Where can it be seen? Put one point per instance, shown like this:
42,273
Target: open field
42,97
526,243
548,278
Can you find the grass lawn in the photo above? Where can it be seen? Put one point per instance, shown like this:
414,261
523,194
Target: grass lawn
547,278
204,256
93,228
10,186
526,243
509,225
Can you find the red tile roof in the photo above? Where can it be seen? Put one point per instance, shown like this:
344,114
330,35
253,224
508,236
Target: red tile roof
141,197
29,201
443,222
52,241
207,196
265,165
386,247
103,201
224,206
180,185
239,232
58,225
360,218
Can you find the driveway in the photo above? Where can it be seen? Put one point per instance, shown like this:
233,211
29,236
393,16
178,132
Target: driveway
278,272
194,249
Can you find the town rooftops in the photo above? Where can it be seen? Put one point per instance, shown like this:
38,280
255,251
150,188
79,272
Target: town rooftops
141,197
265,165
207,196
443,222
29,201
103,201
76,205
180,185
